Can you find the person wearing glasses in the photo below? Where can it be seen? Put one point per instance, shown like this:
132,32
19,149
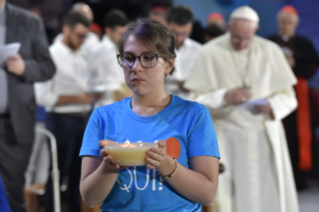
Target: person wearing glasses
91,39
68,103
180,21
181,173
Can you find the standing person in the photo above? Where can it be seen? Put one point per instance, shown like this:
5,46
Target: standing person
115,24
91,39
303,60
229,71
180,21
147,56
213,31
103,62
216,18
68,105
158,14
17,103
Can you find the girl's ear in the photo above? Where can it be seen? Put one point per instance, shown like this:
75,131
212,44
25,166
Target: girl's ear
169,66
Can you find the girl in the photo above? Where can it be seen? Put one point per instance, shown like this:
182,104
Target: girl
180,174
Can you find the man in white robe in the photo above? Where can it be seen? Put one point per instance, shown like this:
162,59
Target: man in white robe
246,83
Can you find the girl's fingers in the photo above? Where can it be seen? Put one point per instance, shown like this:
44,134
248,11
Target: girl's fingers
103,153
150,166
161,143
107,159
155,156
105,142
158,150
153,162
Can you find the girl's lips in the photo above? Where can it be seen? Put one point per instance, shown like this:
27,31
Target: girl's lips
137,80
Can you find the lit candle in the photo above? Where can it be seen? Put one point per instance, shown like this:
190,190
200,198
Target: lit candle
129,154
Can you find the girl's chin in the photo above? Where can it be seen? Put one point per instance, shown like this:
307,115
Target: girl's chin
139,91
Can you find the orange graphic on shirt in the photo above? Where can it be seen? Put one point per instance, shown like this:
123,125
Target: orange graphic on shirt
173,147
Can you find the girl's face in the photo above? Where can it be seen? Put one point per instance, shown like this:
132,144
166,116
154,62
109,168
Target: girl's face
142,80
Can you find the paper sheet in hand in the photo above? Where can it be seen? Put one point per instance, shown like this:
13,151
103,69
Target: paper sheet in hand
8,50
256,102
99,89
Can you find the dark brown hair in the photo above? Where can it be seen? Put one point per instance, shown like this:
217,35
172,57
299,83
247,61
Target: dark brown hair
153,36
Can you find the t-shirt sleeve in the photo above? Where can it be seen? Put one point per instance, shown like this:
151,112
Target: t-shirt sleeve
202,138
92,136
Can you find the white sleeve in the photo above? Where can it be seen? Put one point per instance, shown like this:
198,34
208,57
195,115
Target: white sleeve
212,100
44,94
283,103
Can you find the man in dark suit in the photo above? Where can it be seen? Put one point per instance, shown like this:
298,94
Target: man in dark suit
299,125
17,101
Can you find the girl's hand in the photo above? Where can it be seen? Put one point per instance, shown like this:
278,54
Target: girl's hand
108,158
159,160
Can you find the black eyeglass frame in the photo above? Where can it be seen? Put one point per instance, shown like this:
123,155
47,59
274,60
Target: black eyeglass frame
139,59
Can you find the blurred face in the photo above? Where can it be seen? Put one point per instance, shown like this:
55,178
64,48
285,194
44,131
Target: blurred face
140,80
158,17
221,23
116,33
86,11
180,32
75,37
287,23
2,3
242,33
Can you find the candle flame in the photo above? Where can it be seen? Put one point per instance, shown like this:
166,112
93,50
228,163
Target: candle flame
127,142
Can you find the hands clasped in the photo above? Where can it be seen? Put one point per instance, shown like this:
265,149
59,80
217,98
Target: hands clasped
157,158
238,96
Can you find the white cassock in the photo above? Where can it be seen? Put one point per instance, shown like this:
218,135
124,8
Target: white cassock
185,58
105,69
258,175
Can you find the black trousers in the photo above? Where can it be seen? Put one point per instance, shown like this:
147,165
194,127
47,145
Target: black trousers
14,158
68,131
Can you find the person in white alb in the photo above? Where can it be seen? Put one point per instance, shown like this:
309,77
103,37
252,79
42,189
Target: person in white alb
247,84
180,22
68,102
103,58
91,39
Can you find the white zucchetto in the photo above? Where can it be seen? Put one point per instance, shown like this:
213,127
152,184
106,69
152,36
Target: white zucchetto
245,12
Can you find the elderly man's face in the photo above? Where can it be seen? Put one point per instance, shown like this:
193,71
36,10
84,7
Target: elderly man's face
242,33
287,24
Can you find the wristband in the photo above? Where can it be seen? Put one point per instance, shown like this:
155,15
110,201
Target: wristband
171,174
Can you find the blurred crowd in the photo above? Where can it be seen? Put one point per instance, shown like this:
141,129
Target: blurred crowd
68,65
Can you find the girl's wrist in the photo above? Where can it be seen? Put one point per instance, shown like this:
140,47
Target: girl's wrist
168,167
107,168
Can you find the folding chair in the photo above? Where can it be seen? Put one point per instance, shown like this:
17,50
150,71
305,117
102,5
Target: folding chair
55,170
39,190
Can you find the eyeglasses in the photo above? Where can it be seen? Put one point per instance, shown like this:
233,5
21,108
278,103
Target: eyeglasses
80,36
127,60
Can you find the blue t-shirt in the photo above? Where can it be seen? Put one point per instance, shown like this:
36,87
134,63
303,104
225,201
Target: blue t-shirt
138,188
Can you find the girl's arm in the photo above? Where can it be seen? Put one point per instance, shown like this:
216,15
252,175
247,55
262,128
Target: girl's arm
197,184
97,178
